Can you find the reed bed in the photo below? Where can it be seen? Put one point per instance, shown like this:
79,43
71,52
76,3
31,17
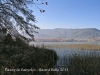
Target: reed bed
74,46
77,64
82,65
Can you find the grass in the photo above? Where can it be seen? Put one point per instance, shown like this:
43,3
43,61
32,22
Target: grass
83,65
75,46
80,64
40,57
20,55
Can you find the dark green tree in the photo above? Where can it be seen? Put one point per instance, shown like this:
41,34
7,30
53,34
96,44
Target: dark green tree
16,17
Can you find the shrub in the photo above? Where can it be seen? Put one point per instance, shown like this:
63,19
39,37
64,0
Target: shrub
18,54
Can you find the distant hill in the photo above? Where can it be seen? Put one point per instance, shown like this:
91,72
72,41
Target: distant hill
68,33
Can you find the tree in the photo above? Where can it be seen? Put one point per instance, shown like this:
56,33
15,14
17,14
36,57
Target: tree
16,17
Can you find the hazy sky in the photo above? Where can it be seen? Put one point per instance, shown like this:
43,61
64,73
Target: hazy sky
69,14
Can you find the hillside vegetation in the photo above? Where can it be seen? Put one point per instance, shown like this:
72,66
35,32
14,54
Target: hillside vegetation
68,34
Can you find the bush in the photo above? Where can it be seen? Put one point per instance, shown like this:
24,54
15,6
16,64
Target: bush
18,54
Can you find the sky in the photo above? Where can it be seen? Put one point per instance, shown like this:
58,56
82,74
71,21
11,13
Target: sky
70,14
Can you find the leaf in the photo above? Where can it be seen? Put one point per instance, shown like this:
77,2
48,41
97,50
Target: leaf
43,11
46,3
42,3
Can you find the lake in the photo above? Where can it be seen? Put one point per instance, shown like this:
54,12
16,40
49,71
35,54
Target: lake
45,43
65,53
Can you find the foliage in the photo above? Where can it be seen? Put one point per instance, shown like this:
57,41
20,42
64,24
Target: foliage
9,40
16,17
16,54
26,58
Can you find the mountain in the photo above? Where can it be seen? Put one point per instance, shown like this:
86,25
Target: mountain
68,33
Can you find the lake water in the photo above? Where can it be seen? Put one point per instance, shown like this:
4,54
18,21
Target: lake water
66,52
45,43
